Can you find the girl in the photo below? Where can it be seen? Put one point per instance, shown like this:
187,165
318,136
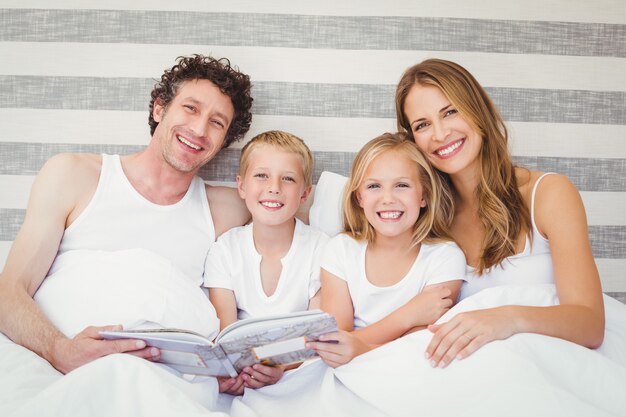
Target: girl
378,277
515,226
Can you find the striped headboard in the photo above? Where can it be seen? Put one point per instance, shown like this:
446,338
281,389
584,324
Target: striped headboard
77,78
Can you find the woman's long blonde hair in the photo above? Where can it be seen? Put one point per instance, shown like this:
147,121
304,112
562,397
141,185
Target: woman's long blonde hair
501,207
434,220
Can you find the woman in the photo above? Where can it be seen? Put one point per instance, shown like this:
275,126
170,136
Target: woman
504,215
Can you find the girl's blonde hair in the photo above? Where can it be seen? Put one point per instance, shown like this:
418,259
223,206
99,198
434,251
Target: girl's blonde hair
501,207
434,220
285,142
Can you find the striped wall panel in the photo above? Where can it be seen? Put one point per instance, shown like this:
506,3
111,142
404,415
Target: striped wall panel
77,78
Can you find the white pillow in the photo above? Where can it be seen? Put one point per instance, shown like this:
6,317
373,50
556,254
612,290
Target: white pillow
326,212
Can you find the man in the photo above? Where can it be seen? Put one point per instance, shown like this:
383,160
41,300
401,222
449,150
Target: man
152,200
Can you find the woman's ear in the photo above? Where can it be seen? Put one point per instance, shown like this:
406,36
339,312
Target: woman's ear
423,203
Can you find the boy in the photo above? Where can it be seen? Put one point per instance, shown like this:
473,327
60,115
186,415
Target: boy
271,265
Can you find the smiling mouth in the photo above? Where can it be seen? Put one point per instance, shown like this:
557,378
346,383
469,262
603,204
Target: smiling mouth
272,204
390,215
188,144
448,150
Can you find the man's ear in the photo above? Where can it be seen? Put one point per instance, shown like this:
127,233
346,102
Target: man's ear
305,194
240,187
158,110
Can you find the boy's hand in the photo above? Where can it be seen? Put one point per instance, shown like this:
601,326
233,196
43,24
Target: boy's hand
232,386
257,375
339,347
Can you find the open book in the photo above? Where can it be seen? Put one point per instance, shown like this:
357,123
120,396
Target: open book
271,340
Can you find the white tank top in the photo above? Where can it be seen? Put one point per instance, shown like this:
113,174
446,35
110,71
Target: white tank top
532,266
119,218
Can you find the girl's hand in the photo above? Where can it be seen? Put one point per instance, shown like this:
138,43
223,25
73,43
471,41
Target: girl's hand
466,332
427,306
338,348
257,375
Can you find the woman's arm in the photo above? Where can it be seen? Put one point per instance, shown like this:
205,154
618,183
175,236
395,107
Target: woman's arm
560,217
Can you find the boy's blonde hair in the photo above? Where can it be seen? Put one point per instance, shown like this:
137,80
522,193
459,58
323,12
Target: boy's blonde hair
281,140
434,220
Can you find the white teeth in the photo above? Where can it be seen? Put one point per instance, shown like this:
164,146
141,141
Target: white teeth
271,204
390,214
450,148
186,142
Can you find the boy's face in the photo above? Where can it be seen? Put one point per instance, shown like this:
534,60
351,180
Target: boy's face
273,185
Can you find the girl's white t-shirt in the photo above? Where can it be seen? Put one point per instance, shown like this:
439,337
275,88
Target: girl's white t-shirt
344,257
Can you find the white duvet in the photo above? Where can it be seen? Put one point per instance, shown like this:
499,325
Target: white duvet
525,375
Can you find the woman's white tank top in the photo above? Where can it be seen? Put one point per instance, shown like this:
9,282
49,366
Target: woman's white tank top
119,218
532,266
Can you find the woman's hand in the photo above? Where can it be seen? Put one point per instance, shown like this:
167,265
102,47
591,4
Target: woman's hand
467,332
339,348
232,386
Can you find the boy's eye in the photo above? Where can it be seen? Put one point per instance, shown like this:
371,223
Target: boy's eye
290,179
260,175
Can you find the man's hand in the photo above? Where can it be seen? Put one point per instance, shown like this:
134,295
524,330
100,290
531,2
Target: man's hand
88,345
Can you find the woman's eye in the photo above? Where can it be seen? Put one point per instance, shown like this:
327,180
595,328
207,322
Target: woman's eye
450,112
420,126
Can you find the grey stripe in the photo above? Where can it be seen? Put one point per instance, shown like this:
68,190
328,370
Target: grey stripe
605,175
304,99
619,296
320,32
607,242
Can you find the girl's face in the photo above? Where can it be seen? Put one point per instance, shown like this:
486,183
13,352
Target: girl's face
390,195
440,131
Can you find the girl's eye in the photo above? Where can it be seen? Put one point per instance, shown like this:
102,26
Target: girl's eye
403,185
372,186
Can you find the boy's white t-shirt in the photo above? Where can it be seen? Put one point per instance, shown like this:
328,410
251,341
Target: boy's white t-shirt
233,263
344,257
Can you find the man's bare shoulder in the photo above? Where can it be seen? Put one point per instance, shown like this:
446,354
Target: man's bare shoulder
75,164
227,208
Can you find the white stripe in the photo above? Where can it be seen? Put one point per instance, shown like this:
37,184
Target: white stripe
14,191
321,133
604,208
612,274
611,270
600,11
312,65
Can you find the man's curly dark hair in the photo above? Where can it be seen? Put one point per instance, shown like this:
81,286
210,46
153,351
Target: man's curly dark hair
229,80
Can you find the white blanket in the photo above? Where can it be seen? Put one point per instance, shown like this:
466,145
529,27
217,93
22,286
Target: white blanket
133,288
525,375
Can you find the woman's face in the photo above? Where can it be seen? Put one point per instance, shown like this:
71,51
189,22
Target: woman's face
440,131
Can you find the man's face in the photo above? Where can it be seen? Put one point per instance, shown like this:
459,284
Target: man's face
193,127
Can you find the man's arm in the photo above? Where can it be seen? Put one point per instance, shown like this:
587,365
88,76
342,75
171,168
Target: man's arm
227,208
62,189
